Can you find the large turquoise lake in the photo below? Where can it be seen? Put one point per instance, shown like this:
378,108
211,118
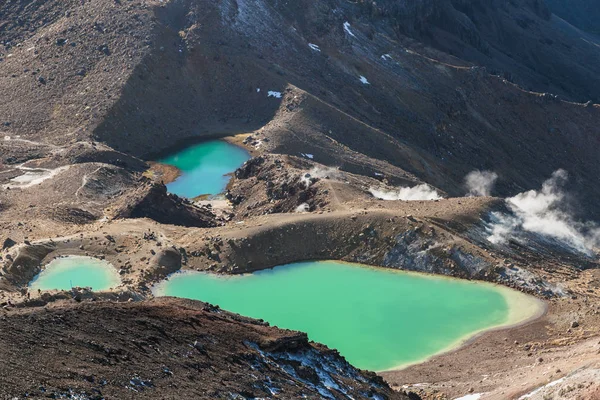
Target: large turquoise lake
377,318
76,271
204,167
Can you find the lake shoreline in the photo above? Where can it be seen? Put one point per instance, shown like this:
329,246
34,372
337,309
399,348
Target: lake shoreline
494,351
163,173
181,144
517,315
167,173
101,273
202,170
514,321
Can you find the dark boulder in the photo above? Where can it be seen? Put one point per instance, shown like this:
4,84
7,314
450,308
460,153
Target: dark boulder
8,243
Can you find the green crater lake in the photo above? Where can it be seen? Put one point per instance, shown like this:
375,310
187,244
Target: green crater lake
379,319
76,271
204,167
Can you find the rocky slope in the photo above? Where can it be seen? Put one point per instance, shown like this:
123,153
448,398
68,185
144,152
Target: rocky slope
583,14
167,349
140,75
519,40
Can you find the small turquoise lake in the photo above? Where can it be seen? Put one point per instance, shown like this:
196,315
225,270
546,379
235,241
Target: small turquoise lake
76,271
377,318
204,167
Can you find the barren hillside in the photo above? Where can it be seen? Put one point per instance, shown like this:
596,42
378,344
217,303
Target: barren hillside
583,14
140,76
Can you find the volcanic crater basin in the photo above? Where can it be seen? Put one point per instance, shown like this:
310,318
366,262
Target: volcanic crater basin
204,167
65,273
379,319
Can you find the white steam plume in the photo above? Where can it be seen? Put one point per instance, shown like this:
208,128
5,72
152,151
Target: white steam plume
480,183
320,173
419,192
326,173
545,212
302,208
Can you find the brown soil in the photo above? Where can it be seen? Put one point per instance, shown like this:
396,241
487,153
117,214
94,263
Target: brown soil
162,172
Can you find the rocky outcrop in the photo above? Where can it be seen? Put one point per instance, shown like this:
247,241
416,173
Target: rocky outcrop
73,215
26,262
271,185
8,243
164,263
416,250
153,201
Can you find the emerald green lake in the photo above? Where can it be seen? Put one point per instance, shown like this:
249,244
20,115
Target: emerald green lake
204,167
377,318
75,271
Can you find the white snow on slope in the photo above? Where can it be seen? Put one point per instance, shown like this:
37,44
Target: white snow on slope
274,94
347,29
314,47
364,80
34,176
530,395
474,396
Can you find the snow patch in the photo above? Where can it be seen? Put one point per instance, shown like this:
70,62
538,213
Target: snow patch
474,396
34,176
274,390
364,80
307,155
314,47
347,29
386,57
274,94
536,391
